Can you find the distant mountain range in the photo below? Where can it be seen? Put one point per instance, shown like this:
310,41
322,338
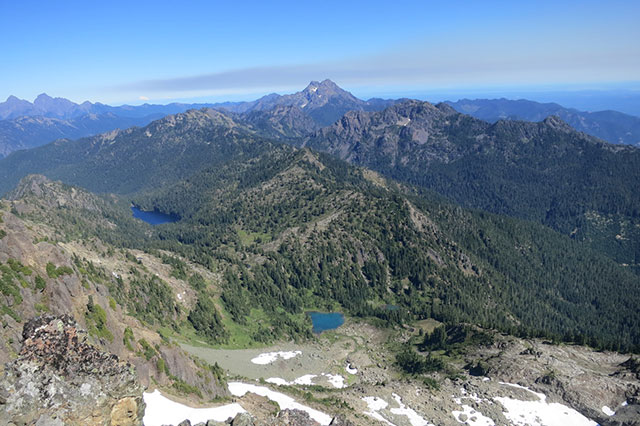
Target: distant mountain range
64,109
612,126
26,125
29,132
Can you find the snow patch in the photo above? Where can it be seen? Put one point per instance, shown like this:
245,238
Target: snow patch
336,380
414,418
474,418
277,381
351,370
269,357
161,411
608,411
375,404
307,379
284,401
540,413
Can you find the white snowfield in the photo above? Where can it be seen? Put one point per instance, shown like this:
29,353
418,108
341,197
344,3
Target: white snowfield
540,413
474,418
414,418
161,411
336,380
284,401
375,404
269,357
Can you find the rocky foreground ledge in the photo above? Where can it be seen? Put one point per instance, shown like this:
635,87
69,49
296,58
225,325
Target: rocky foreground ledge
60,379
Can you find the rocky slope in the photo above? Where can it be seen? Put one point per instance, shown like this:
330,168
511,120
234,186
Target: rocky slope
49,267
58,378
503,380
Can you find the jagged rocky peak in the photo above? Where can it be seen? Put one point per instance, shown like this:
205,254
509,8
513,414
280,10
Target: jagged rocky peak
446,108
31,184
42,98
60,379
327,89
13,99
324,85
51,194
557,123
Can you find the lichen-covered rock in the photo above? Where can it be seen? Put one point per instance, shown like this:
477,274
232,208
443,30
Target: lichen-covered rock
340,420
293,418
59,378
243,419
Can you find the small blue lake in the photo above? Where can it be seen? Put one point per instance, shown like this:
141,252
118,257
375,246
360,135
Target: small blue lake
153,217
323,321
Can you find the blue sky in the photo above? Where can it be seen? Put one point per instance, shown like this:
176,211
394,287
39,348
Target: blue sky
134,51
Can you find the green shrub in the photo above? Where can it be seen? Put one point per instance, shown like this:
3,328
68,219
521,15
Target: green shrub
41,284
149,352
206,320
128,338
96,319
54,272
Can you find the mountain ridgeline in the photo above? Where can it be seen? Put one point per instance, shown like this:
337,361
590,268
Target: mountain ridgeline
29,132
126,161
612,126
546,172
26,125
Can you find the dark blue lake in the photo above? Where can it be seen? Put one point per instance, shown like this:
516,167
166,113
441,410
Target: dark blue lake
153,217
326,321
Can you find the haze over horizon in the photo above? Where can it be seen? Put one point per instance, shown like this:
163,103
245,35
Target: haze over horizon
159,53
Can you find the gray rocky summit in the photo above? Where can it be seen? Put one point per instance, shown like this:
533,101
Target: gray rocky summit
61,379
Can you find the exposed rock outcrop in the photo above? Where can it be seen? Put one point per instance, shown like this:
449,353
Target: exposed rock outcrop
59,378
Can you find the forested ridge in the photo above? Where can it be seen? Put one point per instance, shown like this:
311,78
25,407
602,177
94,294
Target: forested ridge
294,230
545,172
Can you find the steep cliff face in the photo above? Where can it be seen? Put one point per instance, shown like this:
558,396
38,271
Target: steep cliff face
61,379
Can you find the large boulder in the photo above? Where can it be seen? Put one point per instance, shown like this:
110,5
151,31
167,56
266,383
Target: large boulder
59,378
